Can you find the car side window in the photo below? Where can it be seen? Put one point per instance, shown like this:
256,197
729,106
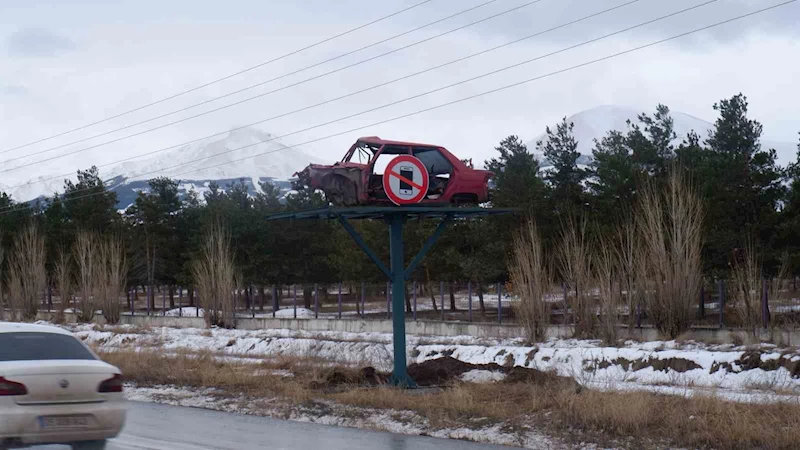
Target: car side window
433,159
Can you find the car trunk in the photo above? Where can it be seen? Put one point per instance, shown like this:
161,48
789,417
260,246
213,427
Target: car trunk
58,381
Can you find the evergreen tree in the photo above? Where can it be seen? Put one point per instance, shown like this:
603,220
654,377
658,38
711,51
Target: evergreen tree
742,185
565,179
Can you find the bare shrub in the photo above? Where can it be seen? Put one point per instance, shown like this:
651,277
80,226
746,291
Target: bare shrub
213,274
670,223
746,295
85,252
26,273
630,271
575,263
530,278
608,271
111,277
64,283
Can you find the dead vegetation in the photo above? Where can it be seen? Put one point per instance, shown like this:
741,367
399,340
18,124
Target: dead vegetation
111,277
670,224
85,254
63,278
214,276
26,273
530,278
633,420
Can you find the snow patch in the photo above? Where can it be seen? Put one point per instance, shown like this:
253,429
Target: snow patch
483,376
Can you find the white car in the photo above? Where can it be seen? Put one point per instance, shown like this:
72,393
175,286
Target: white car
55,390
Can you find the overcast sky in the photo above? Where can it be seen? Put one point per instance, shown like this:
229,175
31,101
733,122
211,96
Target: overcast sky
64,64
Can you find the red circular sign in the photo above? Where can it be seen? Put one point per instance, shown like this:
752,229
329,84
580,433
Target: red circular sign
405,180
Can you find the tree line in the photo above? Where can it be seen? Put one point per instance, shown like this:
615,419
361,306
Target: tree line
749,201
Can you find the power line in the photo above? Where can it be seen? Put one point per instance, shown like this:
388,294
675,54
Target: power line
286,55
502,88
358,92
283,88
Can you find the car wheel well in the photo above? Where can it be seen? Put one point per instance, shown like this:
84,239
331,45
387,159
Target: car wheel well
460,199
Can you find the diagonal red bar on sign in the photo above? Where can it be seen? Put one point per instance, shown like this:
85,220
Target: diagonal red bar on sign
406,180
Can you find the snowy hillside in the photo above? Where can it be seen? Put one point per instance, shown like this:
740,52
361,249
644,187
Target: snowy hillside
246,155
254,158
595,123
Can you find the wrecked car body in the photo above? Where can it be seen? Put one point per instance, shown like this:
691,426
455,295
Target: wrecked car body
358,178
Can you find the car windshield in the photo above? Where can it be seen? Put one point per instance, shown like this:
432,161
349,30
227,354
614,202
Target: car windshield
32,346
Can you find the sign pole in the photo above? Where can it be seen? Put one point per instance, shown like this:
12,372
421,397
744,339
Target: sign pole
397,267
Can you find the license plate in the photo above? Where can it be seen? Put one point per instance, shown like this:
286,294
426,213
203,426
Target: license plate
49,422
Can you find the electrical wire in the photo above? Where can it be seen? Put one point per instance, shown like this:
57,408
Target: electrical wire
251,68
502,88
283,88
349,95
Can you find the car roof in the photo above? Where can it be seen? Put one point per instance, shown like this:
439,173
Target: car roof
17,327
378,141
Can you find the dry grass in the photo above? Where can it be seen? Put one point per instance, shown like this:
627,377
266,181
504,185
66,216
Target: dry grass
670,225
530,278
214,277
632,420
26,273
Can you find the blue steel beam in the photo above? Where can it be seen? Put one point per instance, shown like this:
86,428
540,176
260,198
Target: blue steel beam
357,237
428,244
400,375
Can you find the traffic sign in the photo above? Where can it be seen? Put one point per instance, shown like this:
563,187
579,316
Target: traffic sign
405,180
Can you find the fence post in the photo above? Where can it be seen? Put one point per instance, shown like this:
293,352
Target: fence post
180,301
764,303
414,288
441,294
196,303
565,307
340,299
133,300
275,301
163,301
49,298
701,310
469,299
388,302
149,291
363,300
721,301
499,302
294,300
316,301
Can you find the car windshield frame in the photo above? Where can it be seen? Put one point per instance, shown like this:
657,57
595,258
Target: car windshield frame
42,346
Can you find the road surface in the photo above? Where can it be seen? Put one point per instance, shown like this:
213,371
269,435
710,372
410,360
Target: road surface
162,427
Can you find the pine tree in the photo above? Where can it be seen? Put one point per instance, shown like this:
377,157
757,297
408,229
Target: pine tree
742,185
566,179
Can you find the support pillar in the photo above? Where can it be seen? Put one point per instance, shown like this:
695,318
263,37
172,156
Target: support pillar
397,267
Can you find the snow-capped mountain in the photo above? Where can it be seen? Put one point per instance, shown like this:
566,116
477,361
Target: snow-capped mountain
596,122
249,154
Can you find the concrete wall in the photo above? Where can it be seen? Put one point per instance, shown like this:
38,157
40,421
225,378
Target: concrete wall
438,328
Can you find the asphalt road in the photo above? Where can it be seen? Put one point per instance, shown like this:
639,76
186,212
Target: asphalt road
161,427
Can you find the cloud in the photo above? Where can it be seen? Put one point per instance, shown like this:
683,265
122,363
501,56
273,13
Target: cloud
12,89
37,43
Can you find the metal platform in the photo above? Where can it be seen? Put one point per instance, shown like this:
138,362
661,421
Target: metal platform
396,217
380,212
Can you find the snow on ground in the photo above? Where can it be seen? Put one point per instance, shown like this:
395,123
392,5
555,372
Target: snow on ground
482,376
186,311
761,373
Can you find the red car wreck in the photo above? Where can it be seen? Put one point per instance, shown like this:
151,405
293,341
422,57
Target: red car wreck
358,178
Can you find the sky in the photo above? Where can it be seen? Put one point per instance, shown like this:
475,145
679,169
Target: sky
66,64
